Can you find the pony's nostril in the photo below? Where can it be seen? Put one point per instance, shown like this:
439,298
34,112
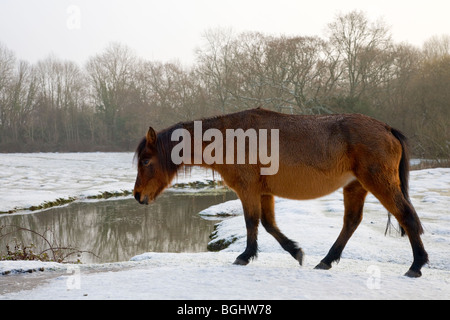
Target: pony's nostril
137,196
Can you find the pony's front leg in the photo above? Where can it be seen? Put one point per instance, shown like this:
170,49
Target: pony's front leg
252,214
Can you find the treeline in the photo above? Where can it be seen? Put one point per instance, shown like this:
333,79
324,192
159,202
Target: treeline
108,104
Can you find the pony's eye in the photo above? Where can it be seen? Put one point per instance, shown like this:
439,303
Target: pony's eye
146,162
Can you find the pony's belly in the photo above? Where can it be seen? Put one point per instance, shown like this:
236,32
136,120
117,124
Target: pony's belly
307,185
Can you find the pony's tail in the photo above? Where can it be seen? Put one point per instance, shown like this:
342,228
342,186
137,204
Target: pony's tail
403,169
403,172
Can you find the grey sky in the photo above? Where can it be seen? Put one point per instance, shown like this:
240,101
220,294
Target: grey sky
171,29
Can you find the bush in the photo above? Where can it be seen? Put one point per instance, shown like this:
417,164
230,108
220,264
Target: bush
54,251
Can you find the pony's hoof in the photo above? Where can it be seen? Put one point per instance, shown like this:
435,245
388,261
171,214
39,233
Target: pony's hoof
413,274
299,256
240,262
323,266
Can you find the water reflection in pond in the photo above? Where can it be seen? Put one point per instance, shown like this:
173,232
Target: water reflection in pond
116,230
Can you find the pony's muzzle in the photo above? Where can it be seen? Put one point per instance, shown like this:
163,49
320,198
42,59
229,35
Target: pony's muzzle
137,196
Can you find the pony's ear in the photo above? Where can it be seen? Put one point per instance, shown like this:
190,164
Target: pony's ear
151,136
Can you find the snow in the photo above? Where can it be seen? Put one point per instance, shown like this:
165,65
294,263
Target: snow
204,276
372,264
31,179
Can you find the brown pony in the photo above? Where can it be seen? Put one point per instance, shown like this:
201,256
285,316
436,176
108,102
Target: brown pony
317,155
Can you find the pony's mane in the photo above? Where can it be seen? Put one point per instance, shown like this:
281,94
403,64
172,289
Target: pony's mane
139,150
164,145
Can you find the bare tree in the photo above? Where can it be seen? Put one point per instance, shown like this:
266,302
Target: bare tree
437,47
7,62
60,97
290,74
300,68
359,43
111,77
430,100
22,97
214,65
249,87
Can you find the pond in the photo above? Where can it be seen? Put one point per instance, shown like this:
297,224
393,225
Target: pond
116,230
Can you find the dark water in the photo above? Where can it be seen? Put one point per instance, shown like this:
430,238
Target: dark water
117,230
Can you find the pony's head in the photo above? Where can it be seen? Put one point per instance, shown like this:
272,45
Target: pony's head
155,167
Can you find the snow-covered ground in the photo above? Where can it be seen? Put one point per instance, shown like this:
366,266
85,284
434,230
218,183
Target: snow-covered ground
31,179
371,267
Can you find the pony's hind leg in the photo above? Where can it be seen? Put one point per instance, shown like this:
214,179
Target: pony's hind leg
354,196
407,217
268,221
388,191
